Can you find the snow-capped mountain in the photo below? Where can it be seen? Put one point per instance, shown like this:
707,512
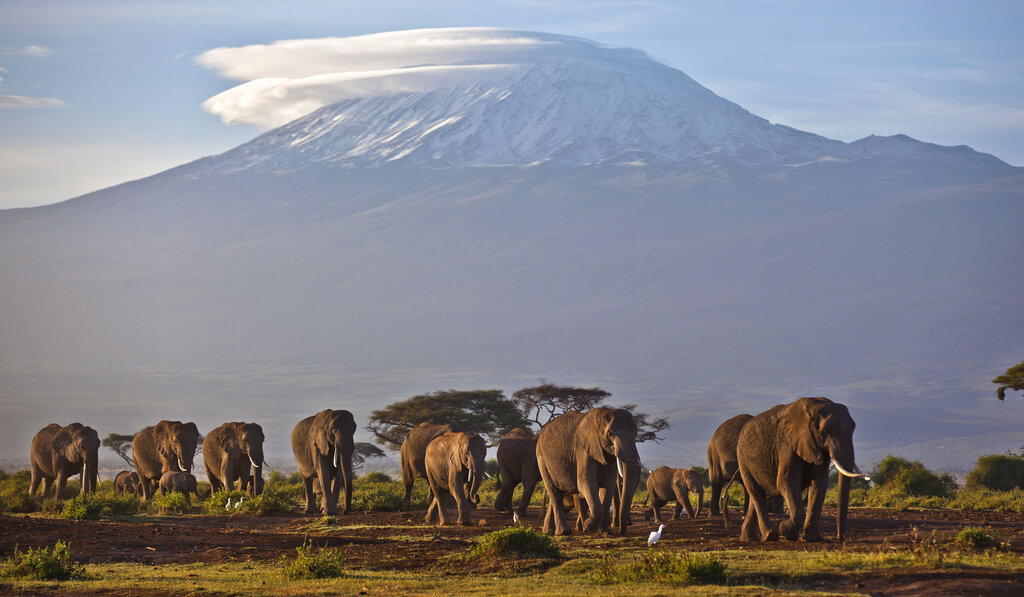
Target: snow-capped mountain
505,206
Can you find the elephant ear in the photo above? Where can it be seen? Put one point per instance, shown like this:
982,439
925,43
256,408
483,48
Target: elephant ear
191,429
319,431
796,425
227,439
592,428
162,439
63,443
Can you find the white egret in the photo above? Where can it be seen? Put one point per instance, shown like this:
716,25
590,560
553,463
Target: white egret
655,535
228,506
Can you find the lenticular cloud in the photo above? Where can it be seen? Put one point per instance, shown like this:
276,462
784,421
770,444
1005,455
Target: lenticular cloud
288,79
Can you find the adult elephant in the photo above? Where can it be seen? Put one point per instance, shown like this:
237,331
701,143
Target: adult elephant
583,453
517,463
454,462
127,483
788,448
323,447
414,449
228,452
61,452
168,446
722,464
674,484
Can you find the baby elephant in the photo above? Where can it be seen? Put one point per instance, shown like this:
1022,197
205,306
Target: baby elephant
180,482
674,484
127,483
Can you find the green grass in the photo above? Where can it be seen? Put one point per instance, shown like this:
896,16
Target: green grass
977,539
43,563
661,567
313,562
517,542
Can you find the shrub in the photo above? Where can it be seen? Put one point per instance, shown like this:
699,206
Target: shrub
998,472
912,478
43,563
275,499
515,543
375,477
379,497
977,539
172,503
18,503
82,507
312,562
663,567
217,502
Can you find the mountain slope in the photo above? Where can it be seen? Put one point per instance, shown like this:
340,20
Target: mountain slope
589,217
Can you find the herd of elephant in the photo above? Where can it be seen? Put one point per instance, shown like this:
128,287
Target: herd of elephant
586,460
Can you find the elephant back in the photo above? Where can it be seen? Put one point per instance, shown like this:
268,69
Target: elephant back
556,450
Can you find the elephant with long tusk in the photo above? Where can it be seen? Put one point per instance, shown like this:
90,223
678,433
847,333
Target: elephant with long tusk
323,446
168,446
228,453
787,449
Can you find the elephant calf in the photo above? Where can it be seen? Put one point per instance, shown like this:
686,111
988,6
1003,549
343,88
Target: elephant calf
180,482
127,483
674,484
455,467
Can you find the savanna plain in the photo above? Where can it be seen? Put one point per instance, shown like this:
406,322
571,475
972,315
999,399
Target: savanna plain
903,541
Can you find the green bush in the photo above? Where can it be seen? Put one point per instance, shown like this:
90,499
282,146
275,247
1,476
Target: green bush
662,567
977,539
275,499
516,542
81,507
910,477
376,477
998,472
43,563
218,501
378,497
172,503
312,562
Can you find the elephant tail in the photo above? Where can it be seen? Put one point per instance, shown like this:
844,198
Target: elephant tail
725,499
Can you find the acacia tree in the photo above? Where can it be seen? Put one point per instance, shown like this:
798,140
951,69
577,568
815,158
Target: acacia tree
121,444
362,451
484,412
542,403
1013,379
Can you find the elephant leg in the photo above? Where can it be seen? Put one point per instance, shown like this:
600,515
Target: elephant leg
759,512
557,511
47,486
683,503
716,496
790,488
457,490
529,486
36,478
324,470
656,505
212,478
307,490
61,483
815,499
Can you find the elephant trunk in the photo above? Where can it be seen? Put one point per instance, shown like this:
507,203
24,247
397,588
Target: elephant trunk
842,505
700,500
630,480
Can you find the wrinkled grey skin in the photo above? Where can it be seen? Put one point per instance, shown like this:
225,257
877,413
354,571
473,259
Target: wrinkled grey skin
414,449
674,484
722,463
168,446
234,452
323,447
127,483
178,482
455,467
581,453
786,449
58,453
517,463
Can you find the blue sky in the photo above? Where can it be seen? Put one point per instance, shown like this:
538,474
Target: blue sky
97,93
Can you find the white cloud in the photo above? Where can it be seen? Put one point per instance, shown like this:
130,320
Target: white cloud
288,79
36,51
20,101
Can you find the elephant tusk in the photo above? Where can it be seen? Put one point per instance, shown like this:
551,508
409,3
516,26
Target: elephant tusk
618,467
847,473
181,466
254,465
488,475
337,458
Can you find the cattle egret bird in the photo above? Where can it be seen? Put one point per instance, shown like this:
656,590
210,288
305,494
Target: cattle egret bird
655,535
515,517
239,504
228,506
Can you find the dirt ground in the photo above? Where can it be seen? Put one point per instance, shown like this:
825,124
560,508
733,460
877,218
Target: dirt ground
370,540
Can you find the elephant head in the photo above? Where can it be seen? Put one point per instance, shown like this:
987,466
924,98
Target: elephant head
607,434
176,444
332,432
472,452
79,444
244,438
695,483
821,431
